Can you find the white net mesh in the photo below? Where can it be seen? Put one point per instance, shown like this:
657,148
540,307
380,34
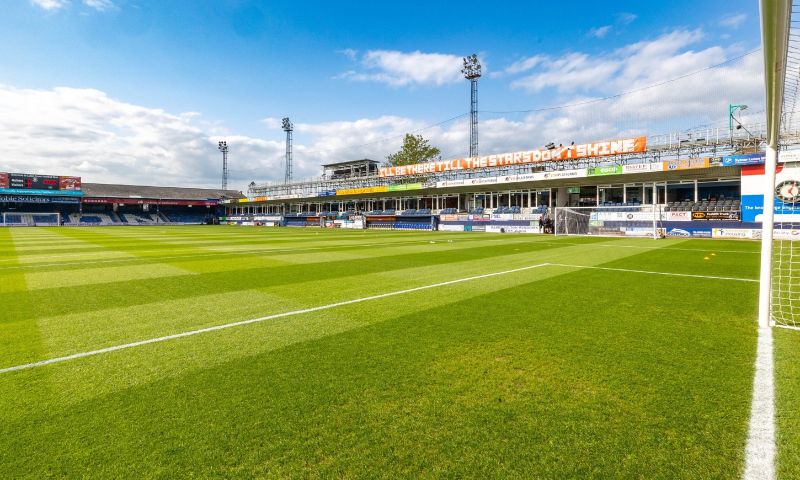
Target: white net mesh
785,297
786,249
630,221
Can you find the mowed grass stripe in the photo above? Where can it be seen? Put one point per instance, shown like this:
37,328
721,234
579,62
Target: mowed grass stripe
141,365
108,327
60,300
59,275
787,395
141,243
242,323
158,254
20,337
581,375
112,324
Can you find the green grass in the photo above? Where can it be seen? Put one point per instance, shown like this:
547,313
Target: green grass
552,372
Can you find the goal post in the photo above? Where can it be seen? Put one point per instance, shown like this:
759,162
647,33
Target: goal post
775,17
31,219
610,221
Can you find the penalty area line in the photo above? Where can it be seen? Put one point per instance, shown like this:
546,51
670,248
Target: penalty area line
225,326
650,272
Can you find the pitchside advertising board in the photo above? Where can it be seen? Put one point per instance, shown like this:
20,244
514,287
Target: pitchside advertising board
32,184
786,196
689,232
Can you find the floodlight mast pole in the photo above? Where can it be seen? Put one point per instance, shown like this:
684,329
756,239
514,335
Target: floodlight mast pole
472,72
288,128
731,110
223,147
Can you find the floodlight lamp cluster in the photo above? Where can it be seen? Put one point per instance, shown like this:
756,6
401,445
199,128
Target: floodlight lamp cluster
223,146
287,125
471,68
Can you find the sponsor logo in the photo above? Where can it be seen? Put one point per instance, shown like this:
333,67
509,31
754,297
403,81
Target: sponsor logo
689,232
641,167
607,170
745,159
732,233
715,215
786,234
686,164
678,232
789,156
679,216
511,229
788,191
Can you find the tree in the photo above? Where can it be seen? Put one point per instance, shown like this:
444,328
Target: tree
415,149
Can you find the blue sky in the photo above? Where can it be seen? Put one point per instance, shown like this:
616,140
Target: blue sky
345,72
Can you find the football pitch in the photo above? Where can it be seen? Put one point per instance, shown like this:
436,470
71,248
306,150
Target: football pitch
206,351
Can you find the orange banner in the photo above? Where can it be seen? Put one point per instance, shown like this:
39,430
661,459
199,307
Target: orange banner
584,150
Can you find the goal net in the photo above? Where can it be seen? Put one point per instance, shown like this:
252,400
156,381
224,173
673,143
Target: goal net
31,219
785,301
778,196
633,221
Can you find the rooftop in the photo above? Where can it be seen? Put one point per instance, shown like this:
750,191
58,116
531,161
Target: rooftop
146,191
350,162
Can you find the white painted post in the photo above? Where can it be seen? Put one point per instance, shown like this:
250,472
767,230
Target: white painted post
767,224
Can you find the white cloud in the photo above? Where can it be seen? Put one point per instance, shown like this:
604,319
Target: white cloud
349,53
733,20
50,4
626,18
591,84
600,32
84,132
525,64
572,72
634,65
399,69
100,5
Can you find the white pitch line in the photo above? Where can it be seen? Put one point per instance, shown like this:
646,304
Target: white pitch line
650,272
640,247
257,320
788,327
759,463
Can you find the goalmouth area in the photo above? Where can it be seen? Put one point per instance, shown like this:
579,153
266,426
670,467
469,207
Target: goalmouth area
226,351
